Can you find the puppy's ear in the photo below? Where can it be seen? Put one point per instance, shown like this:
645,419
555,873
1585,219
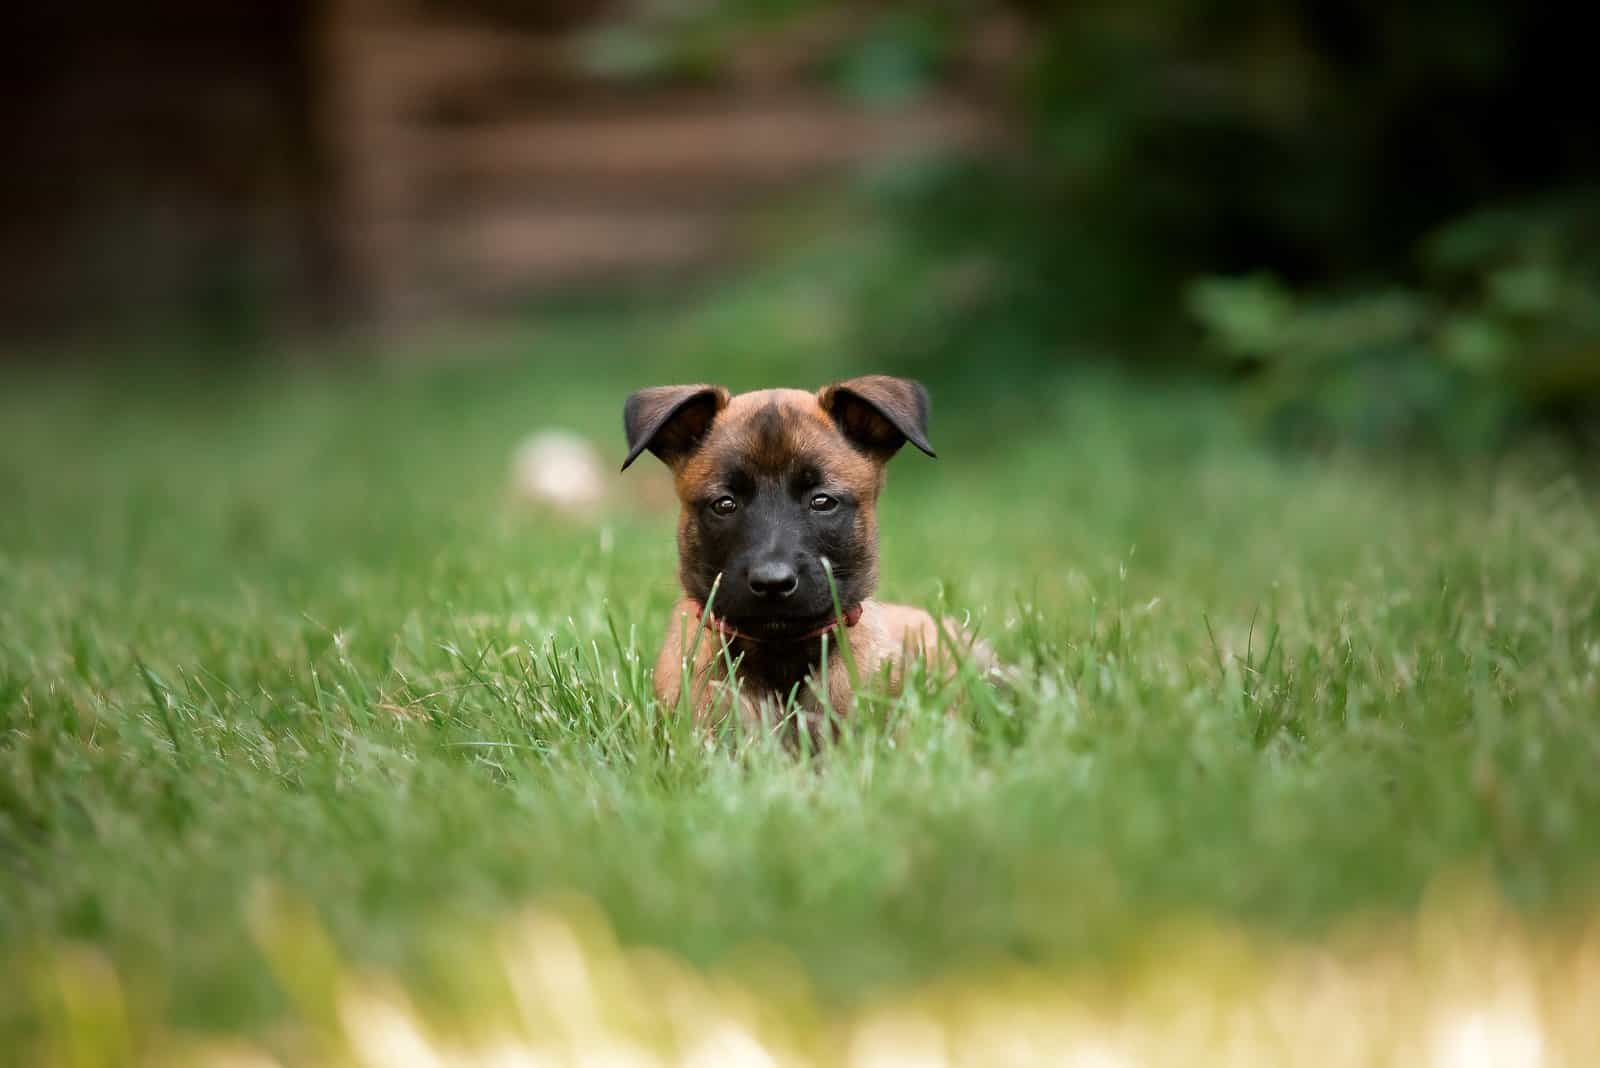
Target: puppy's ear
670,421
879,413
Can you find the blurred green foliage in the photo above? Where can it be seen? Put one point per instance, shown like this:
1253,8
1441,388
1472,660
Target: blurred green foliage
1308,151
1500,335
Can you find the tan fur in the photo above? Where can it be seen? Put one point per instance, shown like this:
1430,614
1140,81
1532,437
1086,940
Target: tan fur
807,427
882,644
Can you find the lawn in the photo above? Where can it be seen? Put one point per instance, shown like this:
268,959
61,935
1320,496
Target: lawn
283,644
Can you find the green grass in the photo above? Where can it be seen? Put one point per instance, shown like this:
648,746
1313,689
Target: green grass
291,630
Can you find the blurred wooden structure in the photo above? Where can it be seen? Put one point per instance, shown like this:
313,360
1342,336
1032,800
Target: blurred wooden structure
379,161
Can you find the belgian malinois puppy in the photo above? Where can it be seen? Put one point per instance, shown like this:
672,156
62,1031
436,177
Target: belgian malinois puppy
779,489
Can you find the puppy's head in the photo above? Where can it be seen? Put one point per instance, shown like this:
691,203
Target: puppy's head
773,483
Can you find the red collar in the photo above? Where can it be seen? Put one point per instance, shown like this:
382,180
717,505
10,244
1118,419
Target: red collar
852,616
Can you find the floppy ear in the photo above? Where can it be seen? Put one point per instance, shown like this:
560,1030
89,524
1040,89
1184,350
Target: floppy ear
670,420
879,413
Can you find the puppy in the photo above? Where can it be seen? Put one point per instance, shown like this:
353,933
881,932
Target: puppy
779,489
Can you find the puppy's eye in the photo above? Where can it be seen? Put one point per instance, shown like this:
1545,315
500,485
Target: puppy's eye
724,506
821,502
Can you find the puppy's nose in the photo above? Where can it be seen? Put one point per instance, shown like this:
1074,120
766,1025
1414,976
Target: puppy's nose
773,580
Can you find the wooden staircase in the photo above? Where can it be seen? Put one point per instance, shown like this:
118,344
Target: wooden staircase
474,163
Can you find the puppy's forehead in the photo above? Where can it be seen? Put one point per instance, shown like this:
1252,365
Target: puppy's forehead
772,432
794,404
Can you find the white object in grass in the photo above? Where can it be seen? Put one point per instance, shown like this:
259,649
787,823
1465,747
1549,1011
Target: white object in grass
560,470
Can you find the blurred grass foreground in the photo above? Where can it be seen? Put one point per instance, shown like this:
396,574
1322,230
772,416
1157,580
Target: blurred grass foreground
1264,346
1467,987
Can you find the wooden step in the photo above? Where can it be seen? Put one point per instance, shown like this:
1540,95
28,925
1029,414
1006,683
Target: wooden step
498,254
713,138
